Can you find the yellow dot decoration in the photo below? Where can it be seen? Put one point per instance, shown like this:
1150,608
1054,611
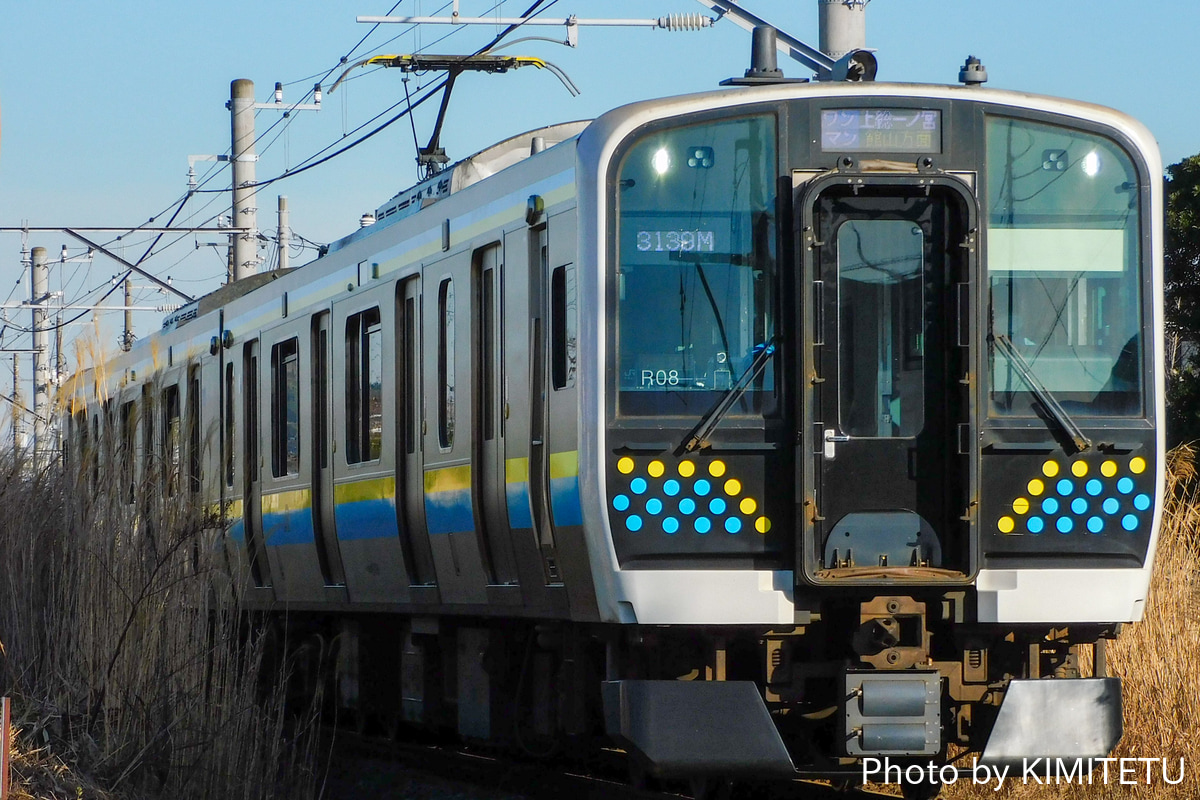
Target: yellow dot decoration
1036,487
686,469
1006,524
656,469
1079,469
1021,505
1137,465
762,524
1108,469
748,505
716,469
1050,469
733,487
625,465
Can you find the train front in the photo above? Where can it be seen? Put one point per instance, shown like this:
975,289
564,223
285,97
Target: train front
875,462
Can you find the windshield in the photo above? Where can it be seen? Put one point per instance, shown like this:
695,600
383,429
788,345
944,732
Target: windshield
696,265
1063,257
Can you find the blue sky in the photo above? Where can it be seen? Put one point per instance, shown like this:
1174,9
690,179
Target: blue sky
101,103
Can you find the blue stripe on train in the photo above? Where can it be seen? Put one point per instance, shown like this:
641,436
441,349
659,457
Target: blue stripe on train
366,519
449,511
564,501
288,527
517,495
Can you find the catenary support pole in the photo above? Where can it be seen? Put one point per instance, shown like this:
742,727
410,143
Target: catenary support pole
245,211
39,291
843,26
284,233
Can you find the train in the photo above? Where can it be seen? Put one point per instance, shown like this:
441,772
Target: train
758,433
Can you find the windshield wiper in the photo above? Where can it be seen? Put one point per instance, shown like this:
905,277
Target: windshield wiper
1049,402
697,438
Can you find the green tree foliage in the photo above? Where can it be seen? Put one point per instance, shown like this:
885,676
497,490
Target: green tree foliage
1182,285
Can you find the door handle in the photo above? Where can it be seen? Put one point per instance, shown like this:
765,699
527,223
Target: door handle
832,437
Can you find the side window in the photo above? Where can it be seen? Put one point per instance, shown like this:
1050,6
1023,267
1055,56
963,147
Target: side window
128,437
563,327
193,429
148,437
285,408
446,364
172,441
364,387
229,426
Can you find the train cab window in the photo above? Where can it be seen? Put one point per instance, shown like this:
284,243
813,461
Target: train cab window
445,363
695,272
563,327
881,284
285,408
364,387
1063,255
172,438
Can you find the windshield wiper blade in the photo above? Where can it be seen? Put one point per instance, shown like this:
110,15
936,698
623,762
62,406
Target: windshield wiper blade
1049,402
697,438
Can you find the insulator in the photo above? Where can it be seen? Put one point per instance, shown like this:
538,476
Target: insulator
685,22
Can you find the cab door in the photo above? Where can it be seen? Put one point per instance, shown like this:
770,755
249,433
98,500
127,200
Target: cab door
888,264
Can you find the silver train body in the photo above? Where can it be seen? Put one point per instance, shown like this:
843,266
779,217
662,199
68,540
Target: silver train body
819,422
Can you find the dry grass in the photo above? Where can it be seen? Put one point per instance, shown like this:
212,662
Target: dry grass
1159,662
132,675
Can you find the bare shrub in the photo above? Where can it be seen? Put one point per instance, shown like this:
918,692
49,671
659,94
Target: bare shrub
132,668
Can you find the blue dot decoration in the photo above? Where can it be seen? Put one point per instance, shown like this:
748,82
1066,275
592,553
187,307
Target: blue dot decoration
687,505
733,524
717,506
1065,487
1141,502
633,522
1064,524
621,502
638,486
1049,506
671,488
702,487
1035,525
654,506
1111,505
1079,505
1129,522
670,525
1095,524
703,525
1093,487
1125,486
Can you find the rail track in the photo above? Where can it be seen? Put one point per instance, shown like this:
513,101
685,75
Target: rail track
388,769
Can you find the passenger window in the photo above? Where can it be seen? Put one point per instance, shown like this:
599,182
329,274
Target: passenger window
229,426
171,438
364,387
285,408
446,364
564,327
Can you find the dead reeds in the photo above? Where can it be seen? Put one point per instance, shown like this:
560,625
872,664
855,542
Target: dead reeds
133,671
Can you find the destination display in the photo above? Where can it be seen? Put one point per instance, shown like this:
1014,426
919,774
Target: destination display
881,130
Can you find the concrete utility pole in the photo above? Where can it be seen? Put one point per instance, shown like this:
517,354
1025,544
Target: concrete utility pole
245,210
843,26
127,334
18,420
285,233
40,290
